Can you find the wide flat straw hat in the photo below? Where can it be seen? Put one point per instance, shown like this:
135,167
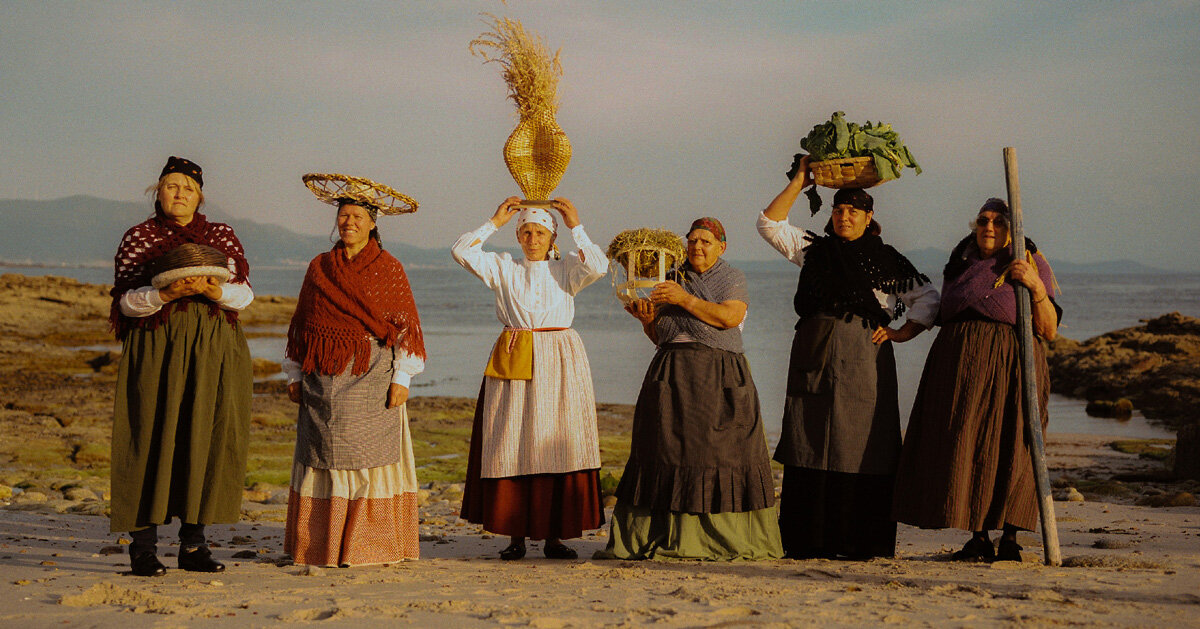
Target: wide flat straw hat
334,188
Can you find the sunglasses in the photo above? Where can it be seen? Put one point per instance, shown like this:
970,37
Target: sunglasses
999,221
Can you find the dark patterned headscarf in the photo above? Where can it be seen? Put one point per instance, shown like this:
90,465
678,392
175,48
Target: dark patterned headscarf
183,167
711,224
856,197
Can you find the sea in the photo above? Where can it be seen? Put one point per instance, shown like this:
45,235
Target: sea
458,317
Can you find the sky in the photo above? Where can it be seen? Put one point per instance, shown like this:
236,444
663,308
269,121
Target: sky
674,110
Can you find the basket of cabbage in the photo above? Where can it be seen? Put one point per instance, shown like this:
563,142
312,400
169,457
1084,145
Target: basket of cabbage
849,155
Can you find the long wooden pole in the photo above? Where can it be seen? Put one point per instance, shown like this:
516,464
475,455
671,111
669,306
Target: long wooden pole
1029,392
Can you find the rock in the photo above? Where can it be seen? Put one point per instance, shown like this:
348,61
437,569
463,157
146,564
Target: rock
94,507
423,497
610,501
80,494
6,492
27,497
245,554
1073,494
1118,409
255,495
1155,366
1179,499
112,550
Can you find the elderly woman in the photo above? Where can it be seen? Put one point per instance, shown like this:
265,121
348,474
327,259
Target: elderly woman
182,410
698,482
965,462
535,455
841,421
353,347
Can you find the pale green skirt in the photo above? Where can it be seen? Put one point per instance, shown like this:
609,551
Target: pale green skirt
639,533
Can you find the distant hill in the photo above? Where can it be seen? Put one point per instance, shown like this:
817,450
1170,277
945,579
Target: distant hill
84,231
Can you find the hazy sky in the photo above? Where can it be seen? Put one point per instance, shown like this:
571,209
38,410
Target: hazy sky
674,110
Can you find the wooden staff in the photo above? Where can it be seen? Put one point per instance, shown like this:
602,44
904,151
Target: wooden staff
1029,392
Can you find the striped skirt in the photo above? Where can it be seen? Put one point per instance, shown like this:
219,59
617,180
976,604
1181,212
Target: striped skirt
965,462
354,517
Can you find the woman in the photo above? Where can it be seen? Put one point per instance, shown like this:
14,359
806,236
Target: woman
698,483
965,462
841,419
535,454
353,347
182,411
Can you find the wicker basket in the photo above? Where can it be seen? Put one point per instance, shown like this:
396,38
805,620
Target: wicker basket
537,153
189,260
850,172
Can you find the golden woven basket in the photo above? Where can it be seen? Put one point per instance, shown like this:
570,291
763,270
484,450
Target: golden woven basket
333,188
537,153
849,172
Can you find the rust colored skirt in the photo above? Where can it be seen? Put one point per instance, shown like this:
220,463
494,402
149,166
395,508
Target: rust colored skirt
965,462
537,506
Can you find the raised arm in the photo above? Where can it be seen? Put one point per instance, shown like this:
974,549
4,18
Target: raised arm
468,249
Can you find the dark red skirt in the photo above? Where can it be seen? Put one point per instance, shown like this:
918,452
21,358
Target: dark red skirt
537,506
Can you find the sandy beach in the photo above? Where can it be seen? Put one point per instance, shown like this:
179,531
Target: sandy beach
1130,536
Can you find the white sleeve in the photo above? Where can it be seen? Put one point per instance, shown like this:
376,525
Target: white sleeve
141,302
235,296
292,369
468,252
586,265
922,302
404,367
784,237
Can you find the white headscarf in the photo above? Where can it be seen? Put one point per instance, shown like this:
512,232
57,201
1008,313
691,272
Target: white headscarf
537,216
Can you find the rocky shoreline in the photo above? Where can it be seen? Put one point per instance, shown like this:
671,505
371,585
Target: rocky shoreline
1154,368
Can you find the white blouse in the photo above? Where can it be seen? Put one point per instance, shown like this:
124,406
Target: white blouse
145,301
404,367
532,294
922,301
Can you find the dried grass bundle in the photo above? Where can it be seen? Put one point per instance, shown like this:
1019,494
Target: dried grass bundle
646,245
530,71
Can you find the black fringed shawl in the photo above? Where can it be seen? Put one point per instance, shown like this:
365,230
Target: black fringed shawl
839,278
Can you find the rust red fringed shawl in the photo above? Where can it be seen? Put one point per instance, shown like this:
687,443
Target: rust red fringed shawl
148,240
345,304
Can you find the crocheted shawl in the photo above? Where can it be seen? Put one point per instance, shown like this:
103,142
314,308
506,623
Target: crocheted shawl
839,278
346,304
972,282
148,240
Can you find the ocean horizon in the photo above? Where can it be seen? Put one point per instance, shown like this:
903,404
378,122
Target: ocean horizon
458,318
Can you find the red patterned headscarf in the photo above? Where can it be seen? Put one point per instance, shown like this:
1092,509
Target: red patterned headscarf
711,224
148,240
345,304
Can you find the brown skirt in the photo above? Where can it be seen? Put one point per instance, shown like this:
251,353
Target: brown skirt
537,506
965,462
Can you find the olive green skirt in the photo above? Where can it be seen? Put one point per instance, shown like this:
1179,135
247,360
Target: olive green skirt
639,533
180,422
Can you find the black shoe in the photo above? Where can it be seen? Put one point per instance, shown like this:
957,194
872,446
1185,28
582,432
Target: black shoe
147,565
513,552
559,551
1010,550
199,559
977,549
